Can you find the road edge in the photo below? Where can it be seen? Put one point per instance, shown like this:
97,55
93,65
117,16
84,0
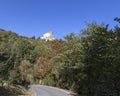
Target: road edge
64,90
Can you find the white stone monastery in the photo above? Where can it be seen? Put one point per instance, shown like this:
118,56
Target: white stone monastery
48,36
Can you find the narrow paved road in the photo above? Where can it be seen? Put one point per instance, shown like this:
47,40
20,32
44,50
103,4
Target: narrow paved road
41,90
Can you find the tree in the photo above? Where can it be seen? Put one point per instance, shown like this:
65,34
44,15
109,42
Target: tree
24,67
99,62
14,76
41,68
117,19
22,48
6,55
71,64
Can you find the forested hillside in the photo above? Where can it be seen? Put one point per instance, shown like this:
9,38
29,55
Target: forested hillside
87,63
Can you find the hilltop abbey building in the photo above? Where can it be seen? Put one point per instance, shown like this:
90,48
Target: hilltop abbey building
48,36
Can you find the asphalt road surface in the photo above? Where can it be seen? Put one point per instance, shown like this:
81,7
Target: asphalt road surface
41,90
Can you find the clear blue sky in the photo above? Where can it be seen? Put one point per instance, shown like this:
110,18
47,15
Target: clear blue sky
35,17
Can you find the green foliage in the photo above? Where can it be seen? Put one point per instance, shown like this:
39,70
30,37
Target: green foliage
6,56
88,64
71,62
117,19
22,47
50,80
100,62
14,77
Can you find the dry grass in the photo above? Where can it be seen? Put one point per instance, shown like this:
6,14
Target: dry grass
15,91
31,93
